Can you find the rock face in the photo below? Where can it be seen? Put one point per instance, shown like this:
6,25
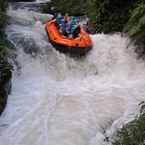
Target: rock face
5,84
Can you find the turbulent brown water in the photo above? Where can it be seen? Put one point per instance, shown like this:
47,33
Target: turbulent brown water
58,100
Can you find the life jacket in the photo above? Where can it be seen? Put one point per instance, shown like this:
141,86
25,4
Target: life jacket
59,19
73,28
67,18
74,23
68,27
62,25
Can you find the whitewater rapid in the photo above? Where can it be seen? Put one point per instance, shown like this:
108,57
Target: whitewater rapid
59,100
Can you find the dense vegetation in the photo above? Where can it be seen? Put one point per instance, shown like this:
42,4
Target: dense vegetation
75,7
3,21
3,5
136,27
5,68
132,133
136,23
112,15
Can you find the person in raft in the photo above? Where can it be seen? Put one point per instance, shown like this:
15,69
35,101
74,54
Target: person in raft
60,20
68,26
75,27
72,27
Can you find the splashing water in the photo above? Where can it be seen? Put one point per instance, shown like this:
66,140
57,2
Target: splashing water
58,100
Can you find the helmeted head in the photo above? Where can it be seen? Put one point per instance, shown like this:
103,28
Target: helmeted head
66,14
74,19
59,15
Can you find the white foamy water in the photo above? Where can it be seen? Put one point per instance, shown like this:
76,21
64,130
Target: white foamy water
42,1
58,100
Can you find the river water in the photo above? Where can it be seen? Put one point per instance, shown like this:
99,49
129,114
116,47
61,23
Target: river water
59,100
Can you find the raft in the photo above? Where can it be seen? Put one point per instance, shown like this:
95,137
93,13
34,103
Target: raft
74,46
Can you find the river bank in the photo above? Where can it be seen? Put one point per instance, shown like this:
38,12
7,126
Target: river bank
5,67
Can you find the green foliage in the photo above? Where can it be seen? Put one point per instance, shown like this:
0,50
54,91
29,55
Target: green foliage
112,15
5,67
132,133
91,9
3,5
136,23
3,41
74,7
5,71
3,18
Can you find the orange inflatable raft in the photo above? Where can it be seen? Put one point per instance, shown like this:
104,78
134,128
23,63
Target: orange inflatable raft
73,46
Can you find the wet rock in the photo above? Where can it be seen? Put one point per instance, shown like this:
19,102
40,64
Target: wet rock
5,83
30,46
